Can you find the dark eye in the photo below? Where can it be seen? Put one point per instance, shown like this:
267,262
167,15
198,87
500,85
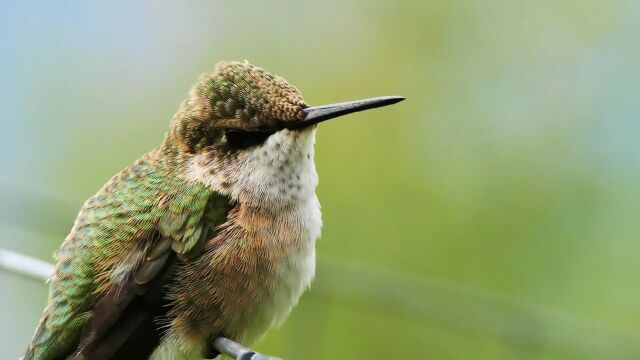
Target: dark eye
238,139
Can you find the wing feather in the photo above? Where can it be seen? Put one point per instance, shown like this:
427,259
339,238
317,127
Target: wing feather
125,309
101,292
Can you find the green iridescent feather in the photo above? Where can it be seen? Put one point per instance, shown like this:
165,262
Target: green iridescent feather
119,219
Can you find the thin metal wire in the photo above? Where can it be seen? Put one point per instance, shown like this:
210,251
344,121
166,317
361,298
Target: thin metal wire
231,348
25,265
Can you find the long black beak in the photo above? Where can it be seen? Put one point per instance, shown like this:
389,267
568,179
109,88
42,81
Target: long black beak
316,114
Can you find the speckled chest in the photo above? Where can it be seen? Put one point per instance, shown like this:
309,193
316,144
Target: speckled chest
289,244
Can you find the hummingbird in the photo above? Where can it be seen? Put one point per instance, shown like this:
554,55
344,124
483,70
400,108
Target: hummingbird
210,234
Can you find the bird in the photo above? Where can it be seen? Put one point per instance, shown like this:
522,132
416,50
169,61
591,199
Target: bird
210,234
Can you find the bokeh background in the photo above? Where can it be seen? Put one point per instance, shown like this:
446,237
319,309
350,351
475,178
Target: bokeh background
492,215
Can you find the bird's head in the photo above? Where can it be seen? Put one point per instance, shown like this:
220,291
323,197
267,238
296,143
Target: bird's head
241,120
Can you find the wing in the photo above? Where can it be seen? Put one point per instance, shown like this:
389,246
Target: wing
122,324
125,322
112,268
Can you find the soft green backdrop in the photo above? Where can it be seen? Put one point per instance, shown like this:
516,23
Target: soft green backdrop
509,176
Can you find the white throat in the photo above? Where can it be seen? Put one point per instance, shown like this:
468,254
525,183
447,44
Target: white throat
279,173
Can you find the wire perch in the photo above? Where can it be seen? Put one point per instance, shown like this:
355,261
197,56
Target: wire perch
25,265
239,352
41,270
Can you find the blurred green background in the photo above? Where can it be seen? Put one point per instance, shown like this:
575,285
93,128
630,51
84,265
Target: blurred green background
492,215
